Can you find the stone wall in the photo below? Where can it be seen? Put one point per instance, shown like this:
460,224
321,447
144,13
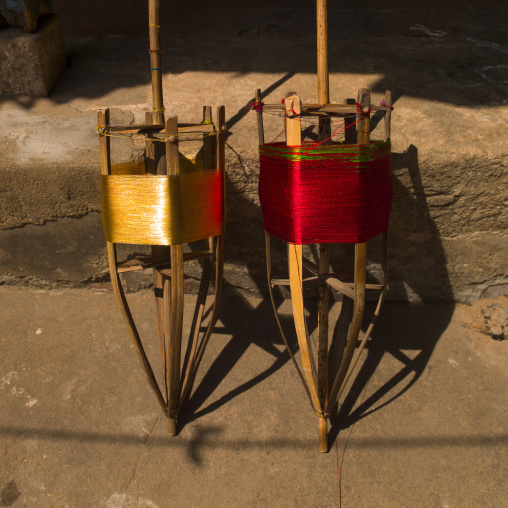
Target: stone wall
448,227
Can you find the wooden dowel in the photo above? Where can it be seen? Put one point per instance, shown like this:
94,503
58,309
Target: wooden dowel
159,129
221,147
364,119
134,265
104,142
208,141
259,115
328,108
350,130
388,115
322,51
330,279
173,326
307,282
293,120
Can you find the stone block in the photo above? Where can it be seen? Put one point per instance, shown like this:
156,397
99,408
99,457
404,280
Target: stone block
24,13
31,64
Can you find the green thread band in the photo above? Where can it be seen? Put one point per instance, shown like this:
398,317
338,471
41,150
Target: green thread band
310,152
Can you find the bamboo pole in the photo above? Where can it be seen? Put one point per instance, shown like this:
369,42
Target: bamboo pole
322,52
155,163
155,55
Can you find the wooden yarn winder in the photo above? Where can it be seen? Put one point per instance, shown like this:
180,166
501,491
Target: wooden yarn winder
167,204
352,183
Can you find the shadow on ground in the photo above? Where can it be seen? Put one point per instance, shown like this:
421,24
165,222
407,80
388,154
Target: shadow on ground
401,328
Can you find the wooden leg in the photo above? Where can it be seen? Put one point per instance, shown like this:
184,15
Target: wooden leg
295,280
131,327
173,324
323,434
338,346
194,363
323,309
276,314
190,355
384,265
356,323
158,289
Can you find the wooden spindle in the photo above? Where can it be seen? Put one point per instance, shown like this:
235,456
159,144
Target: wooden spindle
155,57
322,52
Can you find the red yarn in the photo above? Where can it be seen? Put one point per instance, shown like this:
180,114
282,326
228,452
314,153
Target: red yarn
325,200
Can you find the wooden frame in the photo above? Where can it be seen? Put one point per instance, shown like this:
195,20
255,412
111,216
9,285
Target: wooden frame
316,375
323,386
167,262
168,271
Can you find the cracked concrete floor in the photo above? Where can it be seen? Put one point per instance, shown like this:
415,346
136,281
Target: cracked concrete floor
424,424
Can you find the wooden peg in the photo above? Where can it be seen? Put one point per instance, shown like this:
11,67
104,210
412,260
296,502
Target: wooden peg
388,115
259,115
364,117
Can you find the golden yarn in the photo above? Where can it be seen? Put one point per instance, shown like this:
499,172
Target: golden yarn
159,209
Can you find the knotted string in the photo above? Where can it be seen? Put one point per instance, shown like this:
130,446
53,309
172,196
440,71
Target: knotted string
257,105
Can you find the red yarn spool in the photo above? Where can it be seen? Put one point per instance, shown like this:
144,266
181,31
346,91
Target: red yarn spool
326,194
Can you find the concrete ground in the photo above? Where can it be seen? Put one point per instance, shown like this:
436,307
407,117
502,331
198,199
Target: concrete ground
423,425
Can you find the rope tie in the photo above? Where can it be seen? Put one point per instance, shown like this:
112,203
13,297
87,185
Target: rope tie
383,103
103,130
257,105
361,112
